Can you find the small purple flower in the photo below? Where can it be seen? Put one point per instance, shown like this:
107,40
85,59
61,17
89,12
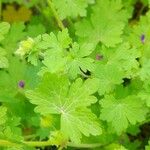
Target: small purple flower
143,38
21,84
99,57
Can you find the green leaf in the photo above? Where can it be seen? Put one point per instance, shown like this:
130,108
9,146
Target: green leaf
35,30
145,96
147,146
144,71
11,40
56,95
80,121
144,93
3,60
4,28
124,56
104,26
3,116
55,46
9,123
142,28
59,57
17,71
51,41
73,8
79,59
109,75
122,112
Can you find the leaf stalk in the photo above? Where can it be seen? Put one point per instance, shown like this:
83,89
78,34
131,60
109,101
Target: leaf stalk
58,20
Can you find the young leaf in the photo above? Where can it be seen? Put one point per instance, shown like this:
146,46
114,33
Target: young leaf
79,59
60,57
55,46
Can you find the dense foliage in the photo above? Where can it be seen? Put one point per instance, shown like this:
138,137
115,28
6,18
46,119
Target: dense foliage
74,74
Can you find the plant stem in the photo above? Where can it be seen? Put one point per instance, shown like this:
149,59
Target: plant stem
60,148
5,143
38,143
0,10
59,22
95,145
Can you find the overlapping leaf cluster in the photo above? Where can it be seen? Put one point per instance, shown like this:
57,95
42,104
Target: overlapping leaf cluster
88,82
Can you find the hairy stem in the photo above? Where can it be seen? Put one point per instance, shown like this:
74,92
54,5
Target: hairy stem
5,143
59,22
